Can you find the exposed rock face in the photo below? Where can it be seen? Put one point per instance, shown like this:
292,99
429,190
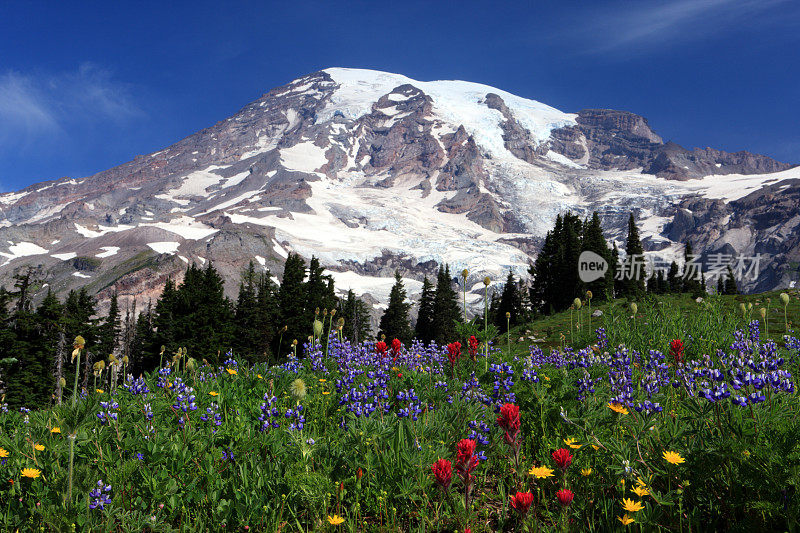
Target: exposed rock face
607,139
373,172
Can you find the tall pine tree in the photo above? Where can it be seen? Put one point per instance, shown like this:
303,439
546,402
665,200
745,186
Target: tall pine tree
633,279
445,308
292,302
356,318
424,328
394,322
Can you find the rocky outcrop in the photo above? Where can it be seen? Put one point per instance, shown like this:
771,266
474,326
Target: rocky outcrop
618,140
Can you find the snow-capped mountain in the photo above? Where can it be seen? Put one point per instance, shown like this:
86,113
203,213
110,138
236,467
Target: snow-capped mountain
372,172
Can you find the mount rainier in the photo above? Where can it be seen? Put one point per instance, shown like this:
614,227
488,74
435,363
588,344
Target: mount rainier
372,172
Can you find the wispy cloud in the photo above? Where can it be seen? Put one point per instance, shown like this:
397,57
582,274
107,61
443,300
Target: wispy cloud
38,106
642,26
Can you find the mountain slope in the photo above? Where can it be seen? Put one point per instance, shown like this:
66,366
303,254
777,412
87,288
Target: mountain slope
372,171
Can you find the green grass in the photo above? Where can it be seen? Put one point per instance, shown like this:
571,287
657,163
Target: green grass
741,469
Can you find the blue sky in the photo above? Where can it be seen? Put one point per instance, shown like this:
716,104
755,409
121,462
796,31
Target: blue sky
83,89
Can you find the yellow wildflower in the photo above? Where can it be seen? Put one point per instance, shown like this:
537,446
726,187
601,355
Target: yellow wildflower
571,443
99,391
595,447
541,472
32,473
322,380
213,393
335,520
631,506
231,371
3,453
618,408
55,430
260,376
39,447
325,392
586,472
640,491
673,458
625,519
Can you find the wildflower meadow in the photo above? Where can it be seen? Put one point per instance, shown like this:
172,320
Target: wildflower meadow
654,416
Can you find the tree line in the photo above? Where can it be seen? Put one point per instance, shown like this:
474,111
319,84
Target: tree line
268,319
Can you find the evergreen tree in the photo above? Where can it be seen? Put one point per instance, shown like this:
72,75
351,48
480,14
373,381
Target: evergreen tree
594,241
144,347
292,301
730,282
445,308
7,336
266,315
394,322
163,325
509,303
356,318
108,331
48,317
690,284
247,335
614,267
424,327
320,296
674,281
633,281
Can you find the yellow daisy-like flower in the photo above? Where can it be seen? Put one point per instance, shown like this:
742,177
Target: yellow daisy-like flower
55,430
626,519
541,472
39,447
673,458
322,380
586,472
335,520
32,473
260,376
618,408
213,393
595,447
325,392
571,443
640,491
231,371
99,391
631,506
3,453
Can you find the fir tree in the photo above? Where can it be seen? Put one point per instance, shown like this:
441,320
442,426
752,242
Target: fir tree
266,315
355,314
108,331
292,301
247,334
319,293
594,241
674,281
394,322
730,282
614,267
690,284
509,303
445,308
633,280
424,327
